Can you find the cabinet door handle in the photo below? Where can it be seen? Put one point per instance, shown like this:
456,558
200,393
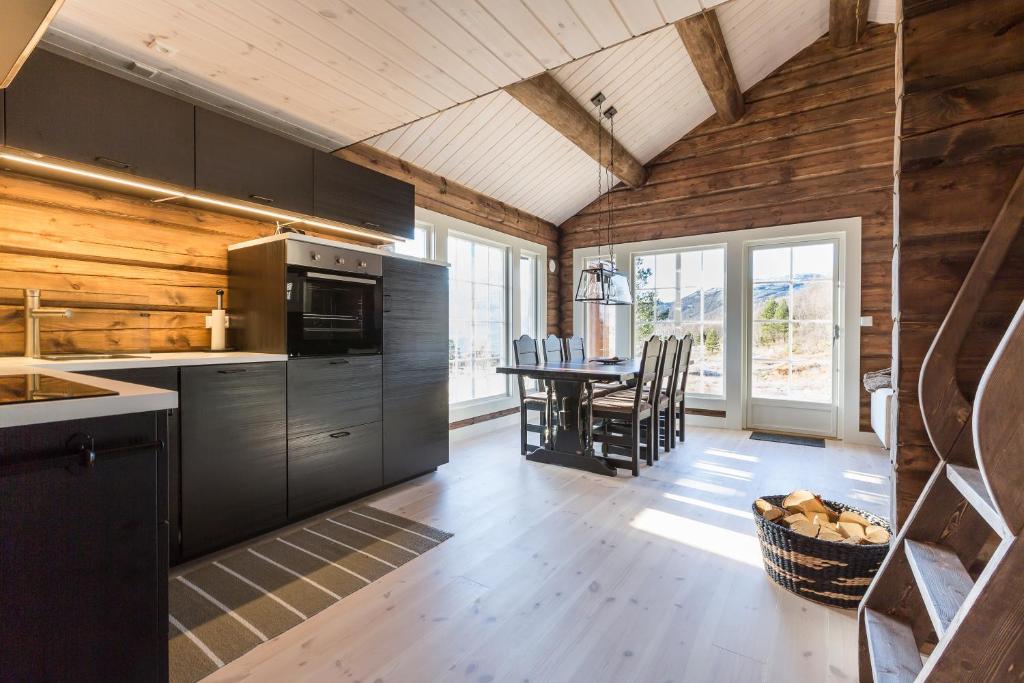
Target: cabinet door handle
262,198
338,435
79,451
232,371
114,163
387,303
338,362
370,224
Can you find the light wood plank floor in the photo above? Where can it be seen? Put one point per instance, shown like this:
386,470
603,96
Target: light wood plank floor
557,575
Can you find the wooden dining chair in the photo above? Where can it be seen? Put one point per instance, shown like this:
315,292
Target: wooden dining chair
679,400
553,350
628,413
524,351
669,377
575,349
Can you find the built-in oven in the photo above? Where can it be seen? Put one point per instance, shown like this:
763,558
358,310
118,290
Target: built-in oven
334,301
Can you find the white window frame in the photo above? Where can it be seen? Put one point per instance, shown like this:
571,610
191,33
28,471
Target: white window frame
735,367
725,305
443,225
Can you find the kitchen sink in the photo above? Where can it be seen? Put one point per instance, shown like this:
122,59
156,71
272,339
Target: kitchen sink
89,356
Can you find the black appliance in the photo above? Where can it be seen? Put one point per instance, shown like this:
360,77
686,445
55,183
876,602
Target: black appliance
306,297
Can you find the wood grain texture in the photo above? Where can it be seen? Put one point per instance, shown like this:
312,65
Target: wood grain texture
98,246
25,21
816,142
961,149
847,21
702,36
546,98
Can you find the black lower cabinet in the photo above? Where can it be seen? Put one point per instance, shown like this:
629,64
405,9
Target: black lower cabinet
83,563
334,431
233,453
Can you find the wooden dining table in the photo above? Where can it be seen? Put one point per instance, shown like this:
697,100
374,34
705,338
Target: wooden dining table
568,441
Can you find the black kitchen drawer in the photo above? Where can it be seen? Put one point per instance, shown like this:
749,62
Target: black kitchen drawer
328,468
83,564
233,453
245,162
62,108
359,196
327,393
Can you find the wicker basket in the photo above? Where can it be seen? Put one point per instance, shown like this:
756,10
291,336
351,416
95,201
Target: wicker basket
828,572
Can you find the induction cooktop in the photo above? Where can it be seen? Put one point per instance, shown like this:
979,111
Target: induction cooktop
32,388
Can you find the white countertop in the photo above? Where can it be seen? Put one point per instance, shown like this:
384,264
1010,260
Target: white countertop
131,398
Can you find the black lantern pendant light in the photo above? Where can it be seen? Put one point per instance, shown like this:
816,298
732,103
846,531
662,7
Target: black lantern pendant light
602,283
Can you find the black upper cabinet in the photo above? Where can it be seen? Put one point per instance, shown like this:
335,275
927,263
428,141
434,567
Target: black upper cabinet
245,162
415,368
233,453
352,194
62,108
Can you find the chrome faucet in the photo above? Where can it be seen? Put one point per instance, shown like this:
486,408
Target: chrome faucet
33,312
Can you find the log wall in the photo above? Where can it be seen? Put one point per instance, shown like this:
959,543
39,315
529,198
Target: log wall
962,145
815,143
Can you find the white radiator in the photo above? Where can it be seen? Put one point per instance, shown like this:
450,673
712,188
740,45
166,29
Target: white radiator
881,414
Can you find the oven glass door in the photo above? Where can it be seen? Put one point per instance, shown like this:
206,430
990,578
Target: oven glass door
331,314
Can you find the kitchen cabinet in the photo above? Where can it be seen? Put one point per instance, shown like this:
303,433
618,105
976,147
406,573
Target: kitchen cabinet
415,368
334,431
83,569
62,108
248,163
161,378
233,453
362,197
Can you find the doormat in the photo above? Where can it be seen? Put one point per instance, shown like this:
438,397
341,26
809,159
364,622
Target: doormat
793,439
222,609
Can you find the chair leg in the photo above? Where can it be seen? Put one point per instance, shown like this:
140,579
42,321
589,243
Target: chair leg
652,437
670,429
522,430
634,450
682,421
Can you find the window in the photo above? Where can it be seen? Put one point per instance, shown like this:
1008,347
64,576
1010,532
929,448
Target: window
421,243
684,292
477,329
793,313
528,294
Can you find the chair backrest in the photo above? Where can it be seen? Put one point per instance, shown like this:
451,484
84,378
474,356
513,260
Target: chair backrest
648,379
574,349
670,364
553,350
524,350
685,348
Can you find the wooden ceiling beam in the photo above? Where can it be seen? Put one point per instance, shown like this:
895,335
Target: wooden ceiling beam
702,36
437,193
847,22
546,98
24,22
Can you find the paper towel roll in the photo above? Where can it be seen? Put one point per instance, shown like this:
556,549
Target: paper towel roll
218,321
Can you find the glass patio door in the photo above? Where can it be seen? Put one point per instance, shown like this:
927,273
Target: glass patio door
793,337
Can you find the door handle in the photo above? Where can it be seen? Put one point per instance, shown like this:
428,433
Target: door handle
262,198
338,435
114,163
232,371
338,362
387,303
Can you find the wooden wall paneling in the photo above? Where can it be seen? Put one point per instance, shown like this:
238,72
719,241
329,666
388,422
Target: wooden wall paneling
847,21
962,145
816,142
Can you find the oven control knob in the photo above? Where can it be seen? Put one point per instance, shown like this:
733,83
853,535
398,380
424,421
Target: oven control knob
340,261
315,256
362,264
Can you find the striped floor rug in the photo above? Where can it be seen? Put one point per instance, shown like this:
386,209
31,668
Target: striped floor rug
224,608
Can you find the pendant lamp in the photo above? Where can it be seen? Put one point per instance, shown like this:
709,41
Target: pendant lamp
601,282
